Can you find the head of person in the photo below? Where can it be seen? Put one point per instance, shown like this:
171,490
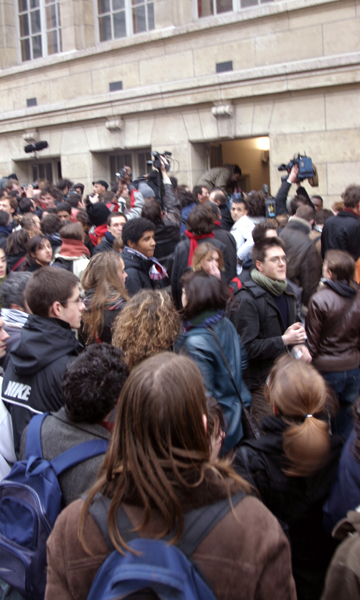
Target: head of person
54,293
306,213
31,224
39,251
298,394
296,202
339,265
200,221
201,193
5,215
79,188
12,291
3,337
92,383
115,224
185,197
9,205
351,198
218,197
100,187
72,231
239,208
159,460
83,218
74,200
147,325
138,234
208,258
152,211
269,258
236,174
263,230
318,202
256,203
103,282
49,196
50,224
3,263
202,292
17,242
64,185
26,205
322,216
64,211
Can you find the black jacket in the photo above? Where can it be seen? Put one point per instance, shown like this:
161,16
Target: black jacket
180,265
226,218
32,380
296,501
342,232
104,246
228,239
259,323
137,270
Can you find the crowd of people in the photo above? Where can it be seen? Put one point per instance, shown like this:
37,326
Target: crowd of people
188,370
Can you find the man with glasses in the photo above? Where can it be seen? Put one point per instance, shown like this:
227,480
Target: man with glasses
267,319
33,376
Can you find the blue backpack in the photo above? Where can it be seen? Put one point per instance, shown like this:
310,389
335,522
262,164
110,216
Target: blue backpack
30,501
158,570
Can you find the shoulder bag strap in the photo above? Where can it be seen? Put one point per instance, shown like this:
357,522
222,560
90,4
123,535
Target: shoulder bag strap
33,436
78,454
17,264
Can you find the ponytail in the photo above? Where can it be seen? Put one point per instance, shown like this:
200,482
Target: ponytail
299,395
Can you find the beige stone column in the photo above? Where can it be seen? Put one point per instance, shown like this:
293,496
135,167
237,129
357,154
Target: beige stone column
8,46
77,24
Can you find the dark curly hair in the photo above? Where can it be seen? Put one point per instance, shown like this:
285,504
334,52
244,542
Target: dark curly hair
92,383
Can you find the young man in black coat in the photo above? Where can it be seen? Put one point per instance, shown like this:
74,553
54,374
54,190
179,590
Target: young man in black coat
32,380
342,232
267,319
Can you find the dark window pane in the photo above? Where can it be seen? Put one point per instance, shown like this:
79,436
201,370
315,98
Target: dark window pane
119,25
35,21
58,14
22,5
60,41
139,19
205,8
246,3
223,6
52,42
48,174
104,6
117,4
113,168
51,16
34,3
105,29
36,46
25,50
151,18
24,25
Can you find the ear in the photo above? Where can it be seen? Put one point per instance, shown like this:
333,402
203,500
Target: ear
131,244
259,266
205,422
55,310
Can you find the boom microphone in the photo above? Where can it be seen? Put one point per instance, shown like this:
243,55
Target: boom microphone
35,147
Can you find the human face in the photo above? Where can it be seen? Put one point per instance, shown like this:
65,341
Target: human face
211,265
43,255
71,310
63,215
116,225
121,272
184,299
5,206
146,244
237,211
274,265
3,337
2,264
99,189
47,201
204,195
125,192
317,203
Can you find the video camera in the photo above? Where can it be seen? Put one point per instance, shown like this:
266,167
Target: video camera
306,167
156,162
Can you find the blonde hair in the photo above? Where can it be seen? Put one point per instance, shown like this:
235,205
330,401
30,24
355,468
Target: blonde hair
300,396
147,325
204,252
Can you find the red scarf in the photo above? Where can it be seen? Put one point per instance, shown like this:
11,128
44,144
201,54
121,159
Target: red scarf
194,242
98,234
350,210
73,248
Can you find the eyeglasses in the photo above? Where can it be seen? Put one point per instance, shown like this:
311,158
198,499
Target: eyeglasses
277,260
79,300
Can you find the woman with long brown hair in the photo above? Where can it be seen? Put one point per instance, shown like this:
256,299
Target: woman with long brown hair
158,470
293,465
105,296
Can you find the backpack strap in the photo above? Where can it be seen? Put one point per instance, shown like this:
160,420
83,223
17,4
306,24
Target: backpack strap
78,454
197,523
33,437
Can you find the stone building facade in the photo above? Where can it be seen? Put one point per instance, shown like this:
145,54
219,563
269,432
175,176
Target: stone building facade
106,81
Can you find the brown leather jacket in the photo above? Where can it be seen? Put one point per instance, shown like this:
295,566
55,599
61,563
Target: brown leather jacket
246,557
333,329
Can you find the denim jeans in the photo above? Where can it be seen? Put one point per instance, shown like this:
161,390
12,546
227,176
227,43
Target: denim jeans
346,385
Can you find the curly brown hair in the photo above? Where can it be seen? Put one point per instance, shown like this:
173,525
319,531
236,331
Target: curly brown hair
147,325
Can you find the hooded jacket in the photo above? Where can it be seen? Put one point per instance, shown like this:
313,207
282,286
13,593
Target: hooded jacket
32,380
137,270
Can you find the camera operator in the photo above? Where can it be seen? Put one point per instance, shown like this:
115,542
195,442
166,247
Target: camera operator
281,197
